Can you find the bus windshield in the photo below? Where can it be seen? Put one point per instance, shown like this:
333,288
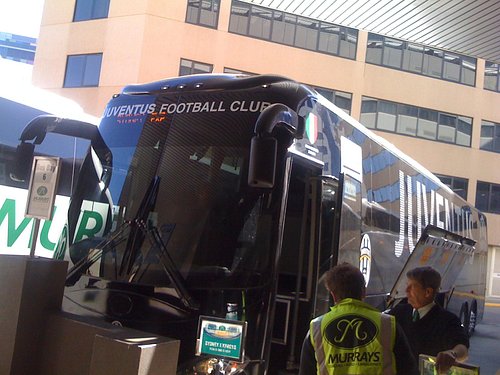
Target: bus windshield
179,181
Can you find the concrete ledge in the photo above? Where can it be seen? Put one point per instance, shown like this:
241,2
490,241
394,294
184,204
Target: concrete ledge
30,289
130,356
88,346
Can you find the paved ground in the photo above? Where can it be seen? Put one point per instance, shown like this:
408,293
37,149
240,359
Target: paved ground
485,343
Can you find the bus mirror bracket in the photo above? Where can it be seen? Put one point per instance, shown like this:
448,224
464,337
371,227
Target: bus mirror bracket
36,130
264,147
21,165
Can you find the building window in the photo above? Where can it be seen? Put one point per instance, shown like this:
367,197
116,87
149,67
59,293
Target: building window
306,33
90,10
393,53
260,22
418,122
414,58
491,76
490,136
194,67
341,99
374,49
407,119
238,21
468,72
433,62
488,197
283,28
83,70
289,29
237,71
457,184
203,12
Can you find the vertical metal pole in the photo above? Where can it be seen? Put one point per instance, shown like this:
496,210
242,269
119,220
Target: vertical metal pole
34,236
291,361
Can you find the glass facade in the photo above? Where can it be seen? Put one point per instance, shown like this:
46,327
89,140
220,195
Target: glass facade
17,48
83,70
297,31
414,121
194,67
488,197
203,12
490,136
90,10
416,58
457,184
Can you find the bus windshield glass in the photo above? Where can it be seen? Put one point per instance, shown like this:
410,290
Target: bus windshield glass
175,188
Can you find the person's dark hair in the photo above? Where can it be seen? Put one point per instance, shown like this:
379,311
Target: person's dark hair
345,281
427,276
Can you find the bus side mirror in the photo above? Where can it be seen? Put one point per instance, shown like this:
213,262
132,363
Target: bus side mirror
262,164
20,168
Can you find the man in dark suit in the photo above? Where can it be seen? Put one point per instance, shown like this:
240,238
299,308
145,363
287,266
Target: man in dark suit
430,329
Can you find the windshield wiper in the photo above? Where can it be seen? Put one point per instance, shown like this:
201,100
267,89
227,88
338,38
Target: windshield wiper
138,227
169,267
135,232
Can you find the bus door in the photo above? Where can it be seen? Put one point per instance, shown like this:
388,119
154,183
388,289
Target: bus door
331,198
350,220
305,253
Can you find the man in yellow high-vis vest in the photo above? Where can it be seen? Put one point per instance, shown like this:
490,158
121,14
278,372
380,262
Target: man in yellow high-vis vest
353,337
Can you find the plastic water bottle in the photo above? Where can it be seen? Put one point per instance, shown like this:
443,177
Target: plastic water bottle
232,311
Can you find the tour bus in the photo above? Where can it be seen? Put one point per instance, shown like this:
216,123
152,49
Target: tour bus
19,104
208,208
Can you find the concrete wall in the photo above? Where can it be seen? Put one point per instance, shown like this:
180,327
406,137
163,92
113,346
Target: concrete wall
30,290
37,338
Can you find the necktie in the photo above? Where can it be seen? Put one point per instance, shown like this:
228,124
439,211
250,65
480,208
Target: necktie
416,315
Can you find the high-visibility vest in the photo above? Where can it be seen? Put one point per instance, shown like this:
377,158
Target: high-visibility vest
354,338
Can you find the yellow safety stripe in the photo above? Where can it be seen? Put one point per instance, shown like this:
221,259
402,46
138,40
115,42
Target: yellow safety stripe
317,338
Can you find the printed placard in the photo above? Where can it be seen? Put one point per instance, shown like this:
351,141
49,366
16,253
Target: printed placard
43,187
221,338
427,366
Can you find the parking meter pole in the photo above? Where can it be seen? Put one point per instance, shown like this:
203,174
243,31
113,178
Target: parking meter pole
34,236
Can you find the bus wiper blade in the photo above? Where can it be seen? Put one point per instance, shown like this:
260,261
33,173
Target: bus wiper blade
94,254
139,230
138,227
171,270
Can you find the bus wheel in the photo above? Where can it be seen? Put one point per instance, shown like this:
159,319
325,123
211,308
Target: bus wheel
472,318
464,316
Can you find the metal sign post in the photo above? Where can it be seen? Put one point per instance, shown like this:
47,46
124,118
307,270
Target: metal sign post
41,193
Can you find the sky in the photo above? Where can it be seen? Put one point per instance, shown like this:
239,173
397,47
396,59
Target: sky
21,17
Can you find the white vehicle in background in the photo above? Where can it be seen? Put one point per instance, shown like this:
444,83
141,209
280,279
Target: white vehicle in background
19,104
